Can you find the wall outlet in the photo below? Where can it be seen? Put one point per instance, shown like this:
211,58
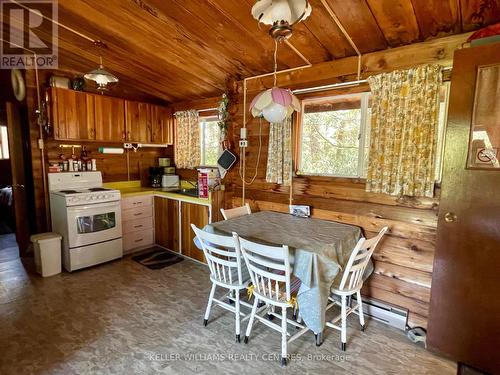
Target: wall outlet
243,143
127,145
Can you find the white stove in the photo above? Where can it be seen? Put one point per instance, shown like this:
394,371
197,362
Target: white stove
88,216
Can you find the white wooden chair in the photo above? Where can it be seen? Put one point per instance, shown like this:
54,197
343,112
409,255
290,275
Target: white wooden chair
271,274
225,263
236,212
350,284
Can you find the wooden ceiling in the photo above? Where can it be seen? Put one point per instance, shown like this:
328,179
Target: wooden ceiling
179,50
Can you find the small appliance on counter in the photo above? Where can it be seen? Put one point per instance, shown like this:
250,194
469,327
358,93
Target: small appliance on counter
170,181
155,176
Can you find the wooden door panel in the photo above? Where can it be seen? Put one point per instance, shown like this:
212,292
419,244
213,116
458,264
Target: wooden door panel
167,223
138,122
463,320
109,118
15,139
162,125
192,214
73,115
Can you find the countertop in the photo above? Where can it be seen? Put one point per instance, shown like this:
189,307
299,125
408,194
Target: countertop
134,188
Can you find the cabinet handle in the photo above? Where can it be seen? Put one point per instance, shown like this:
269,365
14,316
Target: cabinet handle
123,135
139,240
138,226
140,202
138,214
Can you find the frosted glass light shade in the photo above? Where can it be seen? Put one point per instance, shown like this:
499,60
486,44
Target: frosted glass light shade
270,12
275,104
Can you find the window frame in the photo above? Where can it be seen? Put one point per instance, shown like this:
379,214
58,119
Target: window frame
201,121
364,129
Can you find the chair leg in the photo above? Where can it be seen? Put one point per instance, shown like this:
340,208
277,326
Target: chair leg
250,321
343,332
284,353
237,307
209,305
360,311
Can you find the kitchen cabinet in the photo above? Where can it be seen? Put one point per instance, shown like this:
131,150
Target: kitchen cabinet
148,123
167,223
138,122
109,118
137,222
72,115
162,123
83,116
192,213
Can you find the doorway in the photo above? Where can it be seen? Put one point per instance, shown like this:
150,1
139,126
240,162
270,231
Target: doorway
16,176
9,249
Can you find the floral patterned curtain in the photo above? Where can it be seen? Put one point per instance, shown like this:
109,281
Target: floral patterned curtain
279,157
405,112
187,141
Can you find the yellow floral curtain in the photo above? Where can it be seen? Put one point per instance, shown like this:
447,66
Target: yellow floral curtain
187,141
279,157
405,113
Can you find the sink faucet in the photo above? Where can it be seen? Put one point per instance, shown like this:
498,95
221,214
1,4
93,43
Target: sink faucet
193,184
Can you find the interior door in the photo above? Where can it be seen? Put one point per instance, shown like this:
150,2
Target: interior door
14,129
465,305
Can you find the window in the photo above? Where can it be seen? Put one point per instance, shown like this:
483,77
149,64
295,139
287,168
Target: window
210,141
4,143
335,136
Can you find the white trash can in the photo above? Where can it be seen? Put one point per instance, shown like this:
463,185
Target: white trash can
47,247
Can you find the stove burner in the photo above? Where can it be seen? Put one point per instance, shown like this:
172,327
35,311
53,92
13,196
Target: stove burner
98,189
69,191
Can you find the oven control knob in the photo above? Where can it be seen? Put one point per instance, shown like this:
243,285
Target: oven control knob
101,196
93,197
87,198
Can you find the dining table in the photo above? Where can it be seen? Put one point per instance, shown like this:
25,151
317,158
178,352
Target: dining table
319,250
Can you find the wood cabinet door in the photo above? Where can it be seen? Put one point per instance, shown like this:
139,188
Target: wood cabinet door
162,125
109,118
465,303
72,115
167,223
192,214
138,122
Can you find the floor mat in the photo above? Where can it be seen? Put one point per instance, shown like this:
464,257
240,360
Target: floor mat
157,259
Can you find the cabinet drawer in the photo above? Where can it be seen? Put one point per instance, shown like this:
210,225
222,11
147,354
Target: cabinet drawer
137,213
130,226
137,239
138,201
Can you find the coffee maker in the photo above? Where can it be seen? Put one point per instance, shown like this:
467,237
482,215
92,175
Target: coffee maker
155,174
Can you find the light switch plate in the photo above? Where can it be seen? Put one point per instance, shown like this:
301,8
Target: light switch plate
299,210
243,143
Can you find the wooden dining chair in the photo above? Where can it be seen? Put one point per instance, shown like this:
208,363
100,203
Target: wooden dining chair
350,284
271,276
236,212
225,263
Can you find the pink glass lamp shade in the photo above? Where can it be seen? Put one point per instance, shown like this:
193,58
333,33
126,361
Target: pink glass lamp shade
275,104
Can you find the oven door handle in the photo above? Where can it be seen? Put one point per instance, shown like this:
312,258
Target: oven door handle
115,204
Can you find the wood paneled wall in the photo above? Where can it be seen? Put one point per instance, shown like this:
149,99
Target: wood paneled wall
403,262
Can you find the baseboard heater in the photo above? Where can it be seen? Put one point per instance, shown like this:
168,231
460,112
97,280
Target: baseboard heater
394,316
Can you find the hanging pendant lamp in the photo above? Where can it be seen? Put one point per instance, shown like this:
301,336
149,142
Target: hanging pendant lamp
101,76
275,104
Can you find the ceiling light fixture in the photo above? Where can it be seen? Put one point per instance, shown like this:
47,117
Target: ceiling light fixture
275,104
101,76
281,14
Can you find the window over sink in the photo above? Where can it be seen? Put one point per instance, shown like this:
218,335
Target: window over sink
210,141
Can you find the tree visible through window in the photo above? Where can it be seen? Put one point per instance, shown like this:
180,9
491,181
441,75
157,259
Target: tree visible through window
210,141
334,136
